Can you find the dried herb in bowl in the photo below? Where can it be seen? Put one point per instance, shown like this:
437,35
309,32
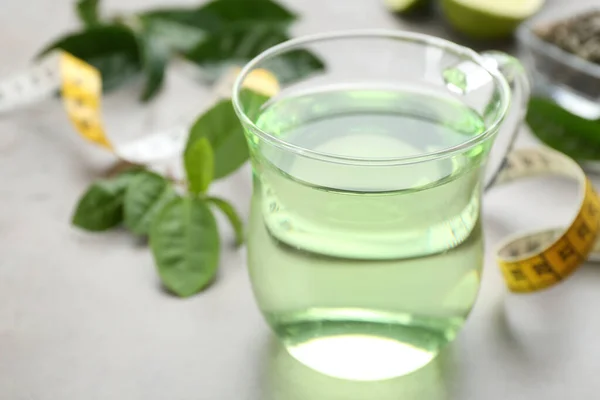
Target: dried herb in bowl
563,57
579,35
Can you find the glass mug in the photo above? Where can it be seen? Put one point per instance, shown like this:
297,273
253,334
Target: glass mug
365,246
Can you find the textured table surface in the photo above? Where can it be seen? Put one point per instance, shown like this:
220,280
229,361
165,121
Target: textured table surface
83,316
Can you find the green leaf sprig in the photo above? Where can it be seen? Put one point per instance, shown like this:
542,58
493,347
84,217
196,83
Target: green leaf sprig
211,36
566,132
177,217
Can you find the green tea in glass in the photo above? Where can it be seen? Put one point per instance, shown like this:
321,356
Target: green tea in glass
365,245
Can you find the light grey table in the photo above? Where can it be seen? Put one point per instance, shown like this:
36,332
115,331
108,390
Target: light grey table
83,316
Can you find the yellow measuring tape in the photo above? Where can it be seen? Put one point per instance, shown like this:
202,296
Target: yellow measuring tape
538,260
529,262
81,88
81,94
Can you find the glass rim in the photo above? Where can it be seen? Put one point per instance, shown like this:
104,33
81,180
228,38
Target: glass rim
446,45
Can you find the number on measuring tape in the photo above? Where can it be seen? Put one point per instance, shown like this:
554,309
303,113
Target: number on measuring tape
538,260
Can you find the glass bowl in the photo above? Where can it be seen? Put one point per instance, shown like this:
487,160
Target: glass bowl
572,82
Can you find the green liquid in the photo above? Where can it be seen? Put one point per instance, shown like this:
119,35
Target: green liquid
366,272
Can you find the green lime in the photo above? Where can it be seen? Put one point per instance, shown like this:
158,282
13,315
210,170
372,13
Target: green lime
407,6
489,19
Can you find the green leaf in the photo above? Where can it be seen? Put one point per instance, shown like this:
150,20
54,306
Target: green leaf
181,29
155,52
101,207
113,49
199,162
238,45
249,12
252,102
185,244
564,131
223,130
145,196
188,16
218,15
87,10
232,216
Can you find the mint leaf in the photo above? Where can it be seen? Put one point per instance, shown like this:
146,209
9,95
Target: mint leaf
155,54
191,17
577,137
239,44
249,12
101,207
145,196
181,22
87,11
113,49
180,30
199,162
232,216
185,244
223,130
252,102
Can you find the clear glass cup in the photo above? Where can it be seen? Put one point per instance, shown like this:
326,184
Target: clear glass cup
365,246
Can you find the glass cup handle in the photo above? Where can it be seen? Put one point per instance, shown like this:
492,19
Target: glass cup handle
517,78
